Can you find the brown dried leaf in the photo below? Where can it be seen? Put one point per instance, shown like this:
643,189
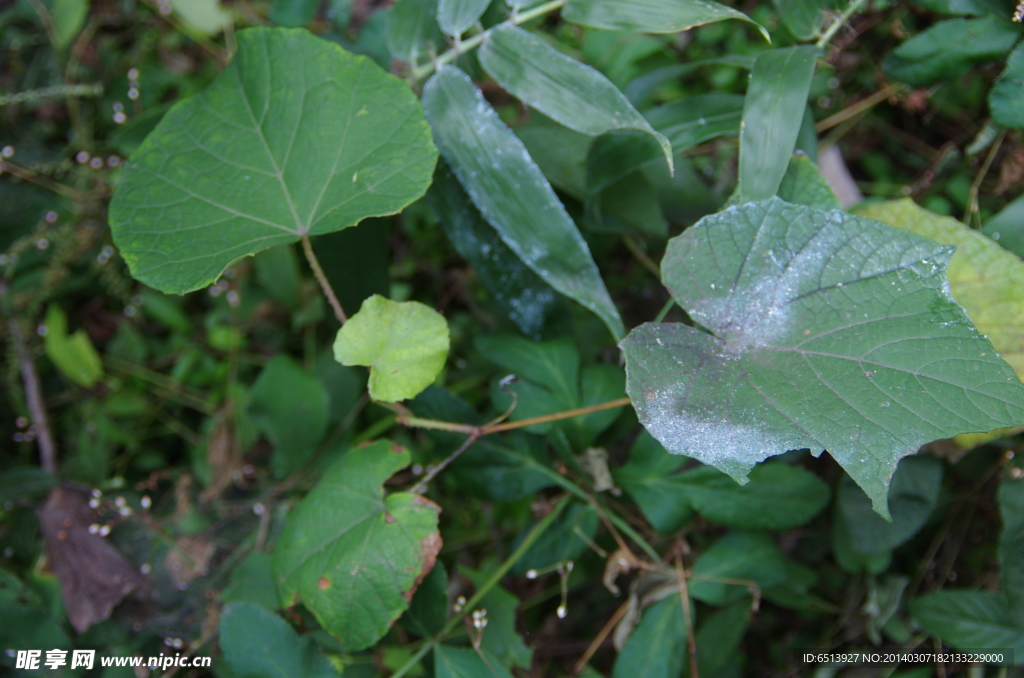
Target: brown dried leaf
94,576
188,559
1011,170
224,456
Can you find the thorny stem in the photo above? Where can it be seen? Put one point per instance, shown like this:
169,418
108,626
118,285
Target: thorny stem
840,21
325,284
463,46
542,525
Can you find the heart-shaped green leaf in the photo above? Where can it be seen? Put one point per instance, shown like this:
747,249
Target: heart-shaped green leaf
404,343
353,556
296,137
830,332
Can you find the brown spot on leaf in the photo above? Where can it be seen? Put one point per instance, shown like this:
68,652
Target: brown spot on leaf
323,584
388,518
396,448
94,576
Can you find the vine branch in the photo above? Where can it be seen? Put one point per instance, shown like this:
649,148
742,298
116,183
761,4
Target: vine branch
480,431
463,46
34,398
325,284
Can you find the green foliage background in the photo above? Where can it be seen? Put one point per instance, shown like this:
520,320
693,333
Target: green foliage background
214,217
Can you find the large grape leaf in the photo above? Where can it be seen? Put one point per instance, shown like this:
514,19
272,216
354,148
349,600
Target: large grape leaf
830,331
353,556
984,278
295,137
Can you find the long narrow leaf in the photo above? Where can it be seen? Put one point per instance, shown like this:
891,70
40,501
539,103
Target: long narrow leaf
511,192
772,114
560,87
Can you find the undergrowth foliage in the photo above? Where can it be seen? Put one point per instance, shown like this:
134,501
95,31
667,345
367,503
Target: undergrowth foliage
795,444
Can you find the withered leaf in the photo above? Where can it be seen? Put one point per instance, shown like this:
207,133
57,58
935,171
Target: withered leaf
94,576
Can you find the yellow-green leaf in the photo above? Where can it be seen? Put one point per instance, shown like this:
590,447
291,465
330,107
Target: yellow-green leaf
74,355
404,343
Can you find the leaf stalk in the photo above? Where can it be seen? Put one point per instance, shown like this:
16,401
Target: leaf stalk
325,284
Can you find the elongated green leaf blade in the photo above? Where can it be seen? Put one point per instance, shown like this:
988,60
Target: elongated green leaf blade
351,555
455,16
511,193
412,30
694,120
803,18
523,294
772,112
1006,99
560,87
831,332
404,343
650,16
969,620
949,48
295,137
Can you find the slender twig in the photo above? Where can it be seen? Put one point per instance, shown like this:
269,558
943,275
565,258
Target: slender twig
34,397
325,284
595,644
972,203
840,21
858,107
637,251
463,46
532,536
422,484
469,429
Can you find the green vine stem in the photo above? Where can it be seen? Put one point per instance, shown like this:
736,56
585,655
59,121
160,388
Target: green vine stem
531,537
463,46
